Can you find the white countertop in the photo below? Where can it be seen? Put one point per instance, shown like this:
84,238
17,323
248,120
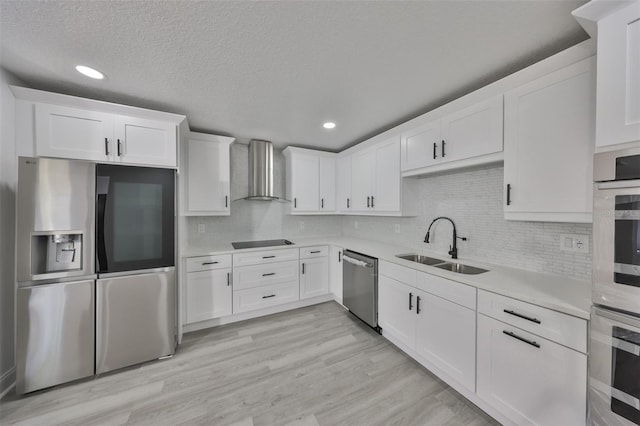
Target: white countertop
559,293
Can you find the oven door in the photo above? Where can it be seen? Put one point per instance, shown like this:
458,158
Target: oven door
614,365
616,245
135,217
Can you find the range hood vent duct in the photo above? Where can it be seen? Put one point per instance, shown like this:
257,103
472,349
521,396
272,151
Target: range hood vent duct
261,171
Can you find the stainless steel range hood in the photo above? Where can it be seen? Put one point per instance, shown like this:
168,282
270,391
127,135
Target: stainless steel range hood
261,171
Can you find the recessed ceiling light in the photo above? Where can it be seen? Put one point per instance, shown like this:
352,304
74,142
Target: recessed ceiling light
89,72
329,125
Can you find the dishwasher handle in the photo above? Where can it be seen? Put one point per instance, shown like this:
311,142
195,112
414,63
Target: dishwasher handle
356,261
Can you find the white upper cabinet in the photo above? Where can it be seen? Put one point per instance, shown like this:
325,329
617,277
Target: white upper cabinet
327,180
74,133
84,129
363,167
386,197
470,132
343,184
548,153
311,181
207,175
618,90
148,142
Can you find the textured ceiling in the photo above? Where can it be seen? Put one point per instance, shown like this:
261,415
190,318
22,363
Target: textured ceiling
278,70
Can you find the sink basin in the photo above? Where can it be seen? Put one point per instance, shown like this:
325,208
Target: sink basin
425,260
460,268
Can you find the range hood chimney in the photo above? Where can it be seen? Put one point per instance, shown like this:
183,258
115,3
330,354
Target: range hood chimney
261,171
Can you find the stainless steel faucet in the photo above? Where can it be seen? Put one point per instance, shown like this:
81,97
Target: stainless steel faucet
453,249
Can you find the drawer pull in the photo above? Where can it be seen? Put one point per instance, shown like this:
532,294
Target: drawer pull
267,297
522,339
268,257
315,251
209,263
515,314
269,274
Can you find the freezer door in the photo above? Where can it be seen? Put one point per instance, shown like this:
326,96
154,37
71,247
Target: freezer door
135,319
55,334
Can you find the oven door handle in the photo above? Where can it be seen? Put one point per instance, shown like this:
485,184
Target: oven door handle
617,317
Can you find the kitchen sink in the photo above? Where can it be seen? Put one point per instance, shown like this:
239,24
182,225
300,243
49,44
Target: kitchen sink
460,268
425,260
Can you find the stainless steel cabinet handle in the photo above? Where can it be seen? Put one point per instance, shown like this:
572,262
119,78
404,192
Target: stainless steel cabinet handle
372,205
209,263
271,295
515,314
268,274
442,149
417,305
368,202
228,279
508,194
435,147
295,203
339,256
314,251
522,339
303,269
119,148
410,301
226,201
268,257
322,203
106,146
348,203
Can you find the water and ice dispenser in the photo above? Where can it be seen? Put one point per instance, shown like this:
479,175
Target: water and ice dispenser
53,252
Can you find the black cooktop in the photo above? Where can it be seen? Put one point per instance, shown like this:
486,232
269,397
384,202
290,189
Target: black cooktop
263,243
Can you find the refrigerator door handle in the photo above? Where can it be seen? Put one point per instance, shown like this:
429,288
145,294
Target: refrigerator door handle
101,248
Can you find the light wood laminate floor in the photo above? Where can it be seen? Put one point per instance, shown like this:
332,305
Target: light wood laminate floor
312,366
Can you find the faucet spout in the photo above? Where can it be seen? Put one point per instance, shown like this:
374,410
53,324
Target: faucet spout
453,248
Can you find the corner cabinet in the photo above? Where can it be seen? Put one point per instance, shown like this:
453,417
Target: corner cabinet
206,170
548,146
81,134
311,181
617,28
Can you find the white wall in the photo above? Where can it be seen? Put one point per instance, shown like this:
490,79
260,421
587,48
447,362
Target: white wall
257,220
474,200
8,178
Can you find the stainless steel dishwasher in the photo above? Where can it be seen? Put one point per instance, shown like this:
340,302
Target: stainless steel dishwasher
360,286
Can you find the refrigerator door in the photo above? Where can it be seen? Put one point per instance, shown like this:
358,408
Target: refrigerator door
55,334
135,319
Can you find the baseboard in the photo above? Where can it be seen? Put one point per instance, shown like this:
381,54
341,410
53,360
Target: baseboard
7,381
187,328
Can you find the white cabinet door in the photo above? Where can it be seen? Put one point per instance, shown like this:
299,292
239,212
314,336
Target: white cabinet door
209,295
421,146
446,337
548,152
304,183
314,277
618,97
472,132
327,184
386,197
335,272
363,167
74,133
529,379
397,310
207,175
343,184
145,142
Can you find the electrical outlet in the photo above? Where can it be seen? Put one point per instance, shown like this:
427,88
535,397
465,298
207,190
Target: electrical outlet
397,228
355,224
574,243
201,228
301,224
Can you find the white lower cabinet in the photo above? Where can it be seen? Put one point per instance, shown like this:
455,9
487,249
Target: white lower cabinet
208,295
396,310
335,272
446,336
314,277
265,296
529,379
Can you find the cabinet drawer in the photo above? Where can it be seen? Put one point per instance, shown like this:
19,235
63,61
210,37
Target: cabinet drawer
267,256
558,327
316,251
397,272
452,291
261,275
206,263
263,297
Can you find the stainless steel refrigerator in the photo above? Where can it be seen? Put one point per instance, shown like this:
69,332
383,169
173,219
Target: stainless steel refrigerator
77,317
